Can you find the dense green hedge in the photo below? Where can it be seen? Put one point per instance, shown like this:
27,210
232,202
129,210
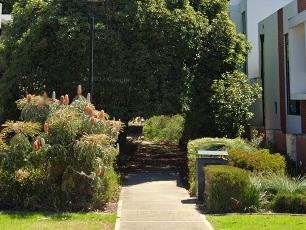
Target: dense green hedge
257,161
210,144
289,203
162,128
229,189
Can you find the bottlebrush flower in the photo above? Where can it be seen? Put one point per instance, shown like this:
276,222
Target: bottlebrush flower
101,115
93,120
45,96
36,146
46,128
88,110
53,95
66,100
79,90
62,100
99,171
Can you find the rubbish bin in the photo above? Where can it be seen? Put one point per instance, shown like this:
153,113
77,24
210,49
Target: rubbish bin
205,158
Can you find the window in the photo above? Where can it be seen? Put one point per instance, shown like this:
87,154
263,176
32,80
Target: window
244,31
262,74
293,106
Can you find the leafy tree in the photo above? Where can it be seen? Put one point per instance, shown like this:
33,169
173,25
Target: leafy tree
231,100
223,51
152,56
144,50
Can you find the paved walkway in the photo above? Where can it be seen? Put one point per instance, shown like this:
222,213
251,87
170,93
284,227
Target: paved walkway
155,201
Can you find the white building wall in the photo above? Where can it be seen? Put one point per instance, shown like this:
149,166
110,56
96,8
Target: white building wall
293,122
271,78
257,10
269,27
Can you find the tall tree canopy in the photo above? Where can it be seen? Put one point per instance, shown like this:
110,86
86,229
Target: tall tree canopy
152,56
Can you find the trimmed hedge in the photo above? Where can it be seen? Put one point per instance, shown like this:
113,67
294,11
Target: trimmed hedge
289,203
258,161
162,128
210,144
229,189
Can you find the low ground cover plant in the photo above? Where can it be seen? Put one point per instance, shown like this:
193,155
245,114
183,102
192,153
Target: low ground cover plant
165,129
280,192
229,189
59,157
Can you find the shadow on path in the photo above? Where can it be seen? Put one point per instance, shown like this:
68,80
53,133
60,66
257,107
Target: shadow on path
143,156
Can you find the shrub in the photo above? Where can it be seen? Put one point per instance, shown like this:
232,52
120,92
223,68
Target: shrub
289,203
210,144
64,126
94,151
36,108
278,183
69,166
257,161
228,189
24,188
167,129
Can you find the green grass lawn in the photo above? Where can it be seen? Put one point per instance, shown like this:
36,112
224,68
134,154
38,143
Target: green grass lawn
66,221
256,222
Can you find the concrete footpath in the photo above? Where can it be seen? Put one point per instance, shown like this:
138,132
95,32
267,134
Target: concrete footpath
155,201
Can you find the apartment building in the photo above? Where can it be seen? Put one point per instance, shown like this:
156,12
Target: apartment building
246,14
282,64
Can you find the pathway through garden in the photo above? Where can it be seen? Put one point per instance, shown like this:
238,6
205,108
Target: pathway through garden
153,196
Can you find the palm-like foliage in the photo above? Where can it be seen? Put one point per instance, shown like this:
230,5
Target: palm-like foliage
29,129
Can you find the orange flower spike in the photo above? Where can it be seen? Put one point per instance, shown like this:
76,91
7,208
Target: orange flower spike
66,100
79,90
93,120
95,114
100,171
45,96
46,128
36,145
88,110
62,100
29,98
102,115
